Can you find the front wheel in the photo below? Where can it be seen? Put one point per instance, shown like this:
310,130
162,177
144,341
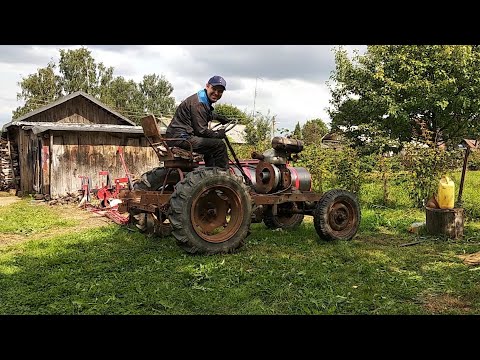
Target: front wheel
337,215
210,212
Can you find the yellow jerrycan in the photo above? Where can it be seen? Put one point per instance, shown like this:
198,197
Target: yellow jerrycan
446,193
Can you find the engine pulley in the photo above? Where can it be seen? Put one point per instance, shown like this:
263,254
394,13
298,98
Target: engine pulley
267,177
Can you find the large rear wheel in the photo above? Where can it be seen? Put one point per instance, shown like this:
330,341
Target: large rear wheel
210,212
154,179
337,215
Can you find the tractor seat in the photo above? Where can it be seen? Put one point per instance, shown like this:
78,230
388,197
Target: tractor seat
152,132
178,152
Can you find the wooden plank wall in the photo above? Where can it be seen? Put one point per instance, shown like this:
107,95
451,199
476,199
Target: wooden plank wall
26,159
86,154
78,110
45,157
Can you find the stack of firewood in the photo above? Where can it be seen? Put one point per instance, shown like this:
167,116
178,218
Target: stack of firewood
8,157
69,198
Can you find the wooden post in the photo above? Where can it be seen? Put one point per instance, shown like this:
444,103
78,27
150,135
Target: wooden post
447,222
464,170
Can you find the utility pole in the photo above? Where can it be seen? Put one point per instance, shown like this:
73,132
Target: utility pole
273,126
255,95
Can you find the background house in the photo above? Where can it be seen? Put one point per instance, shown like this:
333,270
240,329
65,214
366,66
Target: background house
333,140
48,150
474,145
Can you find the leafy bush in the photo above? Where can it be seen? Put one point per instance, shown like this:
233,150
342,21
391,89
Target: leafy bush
244,151
332,168
425,167
474,160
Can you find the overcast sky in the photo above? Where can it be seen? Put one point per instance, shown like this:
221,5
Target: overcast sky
290,80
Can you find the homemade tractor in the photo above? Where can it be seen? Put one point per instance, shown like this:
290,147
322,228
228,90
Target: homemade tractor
209,210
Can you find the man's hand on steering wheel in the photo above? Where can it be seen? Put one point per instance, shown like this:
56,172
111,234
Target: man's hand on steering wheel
223,119
227,126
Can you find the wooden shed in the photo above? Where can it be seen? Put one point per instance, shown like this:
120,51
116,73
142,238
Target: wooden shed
50,149
333,140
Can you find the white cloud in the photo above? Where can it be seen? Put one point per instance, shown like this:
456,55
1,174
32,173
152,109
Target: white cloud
290,79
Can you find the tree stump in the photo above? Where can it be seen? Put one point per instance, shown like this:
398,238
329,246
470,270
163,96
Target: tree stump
447,222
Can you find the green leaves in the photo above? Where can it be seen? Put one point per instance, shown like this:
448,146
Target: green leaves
442,104
232,112
313,131
79,72
437,82
259,129
38,90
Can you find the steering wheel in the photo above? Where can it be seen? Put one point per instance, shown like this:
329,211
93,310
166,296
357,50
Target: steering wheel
228,126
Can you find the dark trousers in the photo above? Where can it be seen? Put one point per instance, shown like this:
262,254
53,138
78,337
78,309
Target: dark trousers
214,151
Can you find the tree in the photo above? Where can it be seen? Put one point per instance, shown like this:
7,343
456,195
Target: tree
38,90
79,72
259,129
125,97
398,88
232,112
156,91
151,96
313,131
297,133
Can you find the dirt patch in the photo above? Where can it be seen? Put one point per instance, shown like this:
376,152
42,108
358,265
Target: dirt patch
471,259
7,200
86,220
443,303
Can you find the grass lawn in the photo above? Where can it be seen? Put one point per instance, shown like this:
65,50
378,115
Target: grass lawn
58,269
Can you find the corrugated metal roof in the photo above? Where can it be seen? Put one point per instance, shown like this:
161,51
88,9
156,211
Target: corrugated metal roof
69,97
39,127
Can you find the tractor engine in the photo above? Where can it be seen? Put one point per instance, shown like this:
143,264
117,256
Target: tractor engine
272,172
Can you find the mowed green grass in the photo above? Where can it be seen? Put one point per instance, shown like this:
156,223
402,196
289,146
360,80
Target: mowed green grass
115,270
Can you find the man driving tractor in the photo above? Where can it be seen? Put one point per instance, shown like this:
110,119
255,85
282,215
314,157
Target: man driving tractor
190,122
